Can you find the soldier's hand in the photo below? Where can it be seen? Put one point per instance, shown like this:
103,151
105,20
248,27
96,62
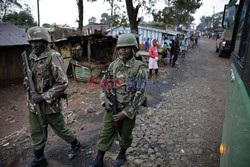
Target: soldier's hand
108,105
36,98
118,117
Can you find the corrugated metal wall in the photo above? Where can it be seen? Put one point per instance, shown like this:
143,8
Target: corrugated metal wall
144,32
11,68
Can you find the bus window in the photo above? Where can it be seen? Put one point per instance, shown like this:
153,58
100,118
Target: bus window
240,52
229,16
246,76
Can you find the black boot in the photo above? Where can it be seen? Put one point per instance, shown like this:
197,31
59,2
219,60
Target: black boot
98,162
75,149
150,74
156,74
121,158
39,160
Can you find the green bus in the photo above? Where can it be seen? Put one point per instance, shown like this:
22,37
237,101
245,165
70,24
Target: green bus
235,145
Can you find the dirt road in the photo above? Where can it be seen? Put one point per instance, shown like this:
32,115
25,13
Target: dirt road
181,126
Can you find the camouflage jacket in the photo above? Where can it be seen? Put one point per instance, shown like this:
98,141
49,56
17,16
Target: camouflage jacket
130,83
49,78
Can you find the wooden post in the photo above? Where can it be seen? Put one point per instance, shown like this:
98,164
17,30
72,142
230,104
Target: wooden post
73,70
89,50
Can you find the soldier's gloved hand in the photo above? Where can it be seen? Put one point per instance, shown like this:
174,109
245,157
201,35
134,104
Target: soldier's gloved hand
108,105
36,98
118,117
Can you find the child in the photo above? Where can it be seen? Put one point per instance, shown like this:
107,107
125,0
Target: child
153,58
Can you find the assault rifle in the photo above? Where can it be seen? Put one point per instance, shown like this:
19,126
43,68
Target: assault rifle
109,88
31,85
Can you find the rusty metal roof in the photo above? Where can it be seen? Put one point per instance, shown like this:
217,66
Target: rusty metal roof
11,35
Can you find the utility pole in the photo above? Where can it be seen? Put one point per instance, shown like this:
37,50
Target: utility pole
213,16
112,9
38,13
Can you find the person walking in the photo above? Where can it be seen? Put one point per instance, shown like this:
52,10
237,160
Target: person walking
130,95
184,46
169,54
146,45
175,50
164,53
50,81
164,50
153,58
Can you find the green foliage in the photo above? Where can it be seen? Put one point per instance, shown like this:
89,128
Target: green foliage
116,17
210,22
116,20
47,25
157,24
206,23
124,22
217,20
6,6
92,20
22,19
177,12
105,18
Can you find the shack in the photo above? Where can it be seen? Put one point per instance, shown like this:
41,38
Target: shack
144,33
12,43
86,56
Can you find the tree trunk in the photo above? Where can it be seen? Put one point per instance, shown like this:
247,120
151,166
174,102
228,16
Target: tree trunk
80,9
132,16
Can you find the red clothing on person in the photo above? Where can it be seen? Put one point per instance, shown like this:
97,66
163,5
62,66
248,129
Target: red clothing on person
153,51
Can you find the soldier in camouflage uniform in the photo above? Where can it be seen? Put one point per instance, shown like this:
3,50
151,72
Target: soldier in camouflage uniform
130,95
50,81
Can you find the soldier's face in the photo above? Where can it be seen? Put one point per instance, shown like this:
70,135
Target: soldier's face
38,47
125,52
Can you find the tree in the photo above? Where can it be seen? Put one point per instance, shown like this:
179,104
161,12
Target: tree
124,22
22,19
47,25
132,15
81,12
217,20
105,18
92,20
132,12
178,12
116,20
6,6
206,23
157,24
209,22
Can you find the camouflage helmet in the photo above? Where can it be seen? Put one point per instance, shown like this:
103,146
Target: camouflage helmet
126,40
37,33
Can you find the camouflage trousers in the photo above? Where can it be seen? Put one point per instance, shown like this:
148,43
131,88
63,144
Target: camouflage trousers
56,122
108,132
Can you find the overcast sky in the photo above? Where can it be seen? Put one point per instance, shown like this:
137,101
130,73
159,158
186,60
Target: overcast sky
66,12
